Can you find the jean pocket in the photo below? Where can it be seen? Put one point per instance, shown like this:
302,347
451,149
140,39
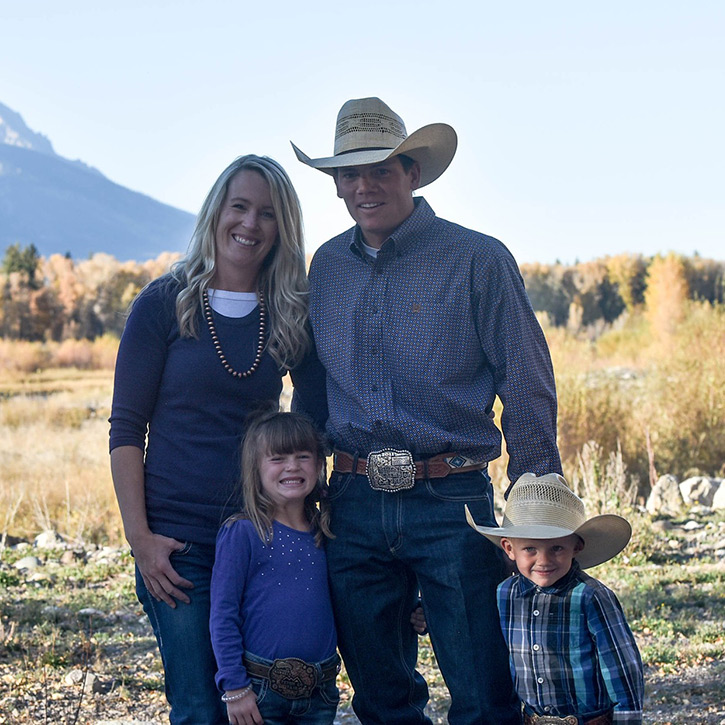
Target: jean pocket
339,483
463,487
260,686
183,551
329,692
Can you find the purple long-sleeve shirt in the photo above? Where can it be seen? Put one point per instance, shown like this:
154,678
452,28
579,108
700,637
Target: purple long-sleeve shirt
271,599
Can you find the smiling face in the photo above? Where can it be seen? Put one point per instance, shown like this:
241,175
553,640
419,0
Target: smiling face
543,561
245,234
378,196
288,478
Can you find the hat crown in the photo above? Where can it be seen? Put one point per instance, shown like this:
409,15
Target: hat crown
544,501
367,123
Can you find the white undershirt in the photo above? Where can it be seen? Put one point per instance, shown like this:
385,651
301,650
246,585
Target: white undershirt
372,251
232,304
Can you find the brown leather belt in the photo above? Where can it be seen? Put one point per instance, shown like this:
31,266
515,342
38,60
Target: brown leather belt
292,678
604,719
439,466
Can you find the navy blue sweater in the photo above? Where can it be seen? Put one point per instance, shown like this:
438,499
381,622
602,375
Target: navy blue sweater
173,399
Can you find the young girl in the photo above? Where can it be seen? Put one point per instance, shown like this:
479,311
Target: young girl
271,618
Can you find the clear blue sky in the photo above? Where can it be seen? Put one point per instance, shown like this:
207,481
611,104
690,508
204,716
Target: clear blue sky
585,129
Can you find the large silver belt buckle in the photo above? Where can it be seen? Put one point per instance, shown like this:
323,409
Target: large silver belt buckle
391,470
553,720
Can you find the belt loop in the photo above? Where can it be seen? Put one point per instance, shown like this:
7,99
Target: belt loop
425,469
355,458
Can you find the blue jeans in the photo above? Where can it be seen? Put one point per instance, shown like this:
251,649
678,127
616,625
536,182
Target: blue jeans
387,546
318,709
185,643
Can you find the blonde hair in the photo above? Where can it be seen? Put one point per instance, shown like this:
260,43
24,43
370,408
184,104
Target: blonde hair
282,278
272,433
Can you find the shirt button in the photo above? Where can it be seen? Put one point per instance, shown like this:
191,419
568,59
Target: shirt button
540,680
536,648
536,612
547,709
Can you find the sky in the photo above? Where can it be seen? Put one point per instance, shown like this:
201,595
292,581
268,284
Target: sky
585,129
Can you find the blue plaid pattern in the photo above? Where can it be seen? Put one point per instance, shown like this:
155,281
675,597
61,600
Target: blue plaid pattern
418,342
571,650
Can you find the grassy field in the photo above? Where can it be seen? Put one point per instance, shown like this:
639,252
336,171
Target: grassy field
76,648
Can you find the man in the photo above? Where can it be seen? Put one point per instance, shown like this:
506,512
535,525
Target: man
419,324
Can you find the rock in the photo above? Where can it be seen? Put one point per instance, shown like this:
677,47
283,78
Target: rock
718,498
661,525
49,540
70,557
91,612
88,680
698,490
665,497
692,526
28,563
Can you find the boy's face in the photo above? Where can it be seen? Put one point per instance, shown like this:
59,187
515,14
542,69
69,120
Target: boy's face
543,561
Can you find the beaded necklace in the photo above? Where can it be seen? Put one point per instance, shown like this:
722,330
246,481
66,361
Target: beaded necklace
217,345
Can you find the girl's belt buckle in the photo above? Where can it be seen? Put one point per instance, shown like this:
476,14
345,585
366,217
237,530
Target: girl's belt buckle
292,678
390,470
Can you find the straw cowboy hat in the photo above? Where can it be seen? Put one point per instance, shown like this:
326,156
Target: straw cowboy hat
544,507
368,132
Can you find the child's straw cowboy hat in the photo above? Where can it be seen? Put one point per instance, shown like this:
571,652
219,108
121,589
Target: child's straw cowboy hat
544,507
369,132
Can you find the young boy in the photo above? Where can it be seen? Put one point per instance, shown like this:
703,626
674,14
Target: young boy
573,657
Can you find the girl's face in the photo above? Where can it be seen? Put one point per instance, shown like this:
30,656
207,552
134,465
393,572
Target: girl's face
288,478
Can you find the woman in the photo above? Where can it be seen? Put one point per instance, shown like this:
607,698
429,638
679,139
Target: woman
203,346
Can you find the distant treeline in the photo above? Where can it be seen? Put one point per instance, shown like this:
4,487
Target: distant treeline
59,298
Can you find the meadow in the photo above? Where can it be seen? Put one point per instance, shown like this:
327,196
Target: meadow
642,397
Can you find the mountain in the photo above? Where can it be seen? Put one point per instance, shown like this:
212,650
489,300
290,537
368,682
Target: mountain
66,206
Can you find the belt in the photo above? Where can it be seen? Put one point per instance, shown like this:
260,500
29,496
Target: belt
400,463
292,678
604,719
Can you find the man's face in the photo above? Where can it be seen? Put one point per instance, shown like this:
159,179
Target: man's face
378,196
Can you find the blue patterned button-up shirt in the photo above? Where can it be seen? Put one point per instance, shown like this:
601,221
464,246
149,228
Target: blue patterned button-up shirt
418,341
571,649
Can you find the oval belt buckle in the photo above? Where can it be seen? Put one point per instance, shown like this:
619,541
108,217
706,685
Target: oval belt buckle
292,678
390,470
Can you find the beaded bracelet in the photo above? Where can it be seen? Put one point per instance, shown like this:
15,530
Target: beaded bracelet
233,698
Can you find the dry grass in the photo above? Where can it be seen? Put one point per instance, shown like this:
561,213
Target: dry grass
54,471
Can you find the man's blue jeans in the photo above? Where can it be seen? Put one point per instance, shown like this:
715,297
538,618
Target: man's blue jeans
185,643
318,709
389,545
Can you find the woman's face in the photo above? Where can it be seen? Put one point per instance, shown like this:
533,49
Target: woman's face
246,232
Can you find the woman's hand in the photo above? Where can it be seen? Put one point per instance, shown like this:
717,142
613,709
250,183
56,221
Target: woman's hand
244,711
152,552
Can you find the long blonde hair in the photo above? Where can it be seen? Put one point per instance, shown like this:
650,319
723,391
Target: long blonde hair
273,433
282,278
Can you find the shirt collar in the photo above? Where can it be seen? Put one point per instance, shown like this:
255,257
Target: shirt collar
406,235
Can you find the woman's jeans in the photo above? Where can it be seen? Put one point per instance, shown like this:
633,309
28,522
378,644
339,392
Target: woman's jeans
184,641
387,547
318,709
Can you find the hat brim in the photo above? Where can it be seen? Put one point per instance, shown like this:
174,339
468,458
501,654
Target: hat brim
604,536
432,146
